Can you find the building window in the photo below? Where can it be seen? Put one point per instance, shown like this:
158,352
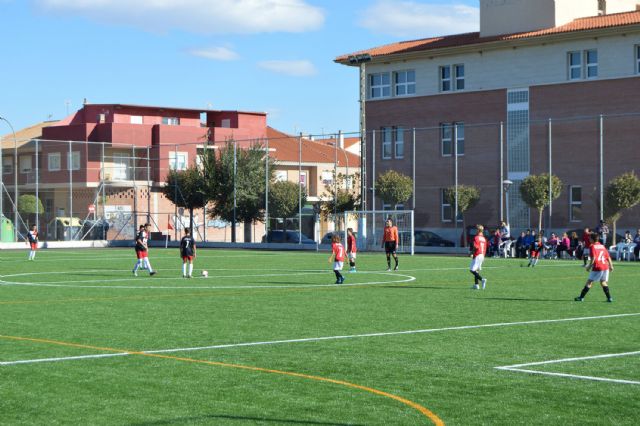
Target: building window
575,65
399,142
25,164
637,49
445,79
7,165
120,166
102,118
575,204
303,180
327,178
136,119
379,85
225,123
405,82
54,161
591,60
459,75
280,175
171,121
73,160
387,138
177,160
446,138
446,210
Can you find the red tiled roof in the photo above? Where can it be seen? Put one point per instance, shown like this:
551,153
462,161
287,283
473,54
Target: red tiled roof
286,149
459,40
348,142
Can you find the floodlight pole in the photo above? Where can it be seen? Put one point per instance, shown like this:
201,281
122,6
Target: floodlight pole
15,180
361,60
506,184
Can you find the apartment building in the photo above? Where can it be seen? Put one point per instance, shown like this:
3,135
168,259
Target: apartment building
544,85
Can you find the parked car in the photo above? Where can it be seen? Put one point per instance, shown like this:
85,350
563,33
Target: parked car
472,231
279,236
327,237
430,239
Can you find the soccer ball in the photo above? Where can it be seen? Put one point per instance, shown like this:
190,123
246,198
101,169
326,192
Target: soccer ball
205,274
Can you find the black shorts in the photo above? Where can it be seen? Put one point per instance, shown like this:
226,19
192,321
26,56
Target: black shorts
390,246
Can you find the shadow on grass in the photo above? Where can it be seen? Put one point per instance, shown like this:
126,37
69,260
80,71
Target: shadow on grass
522,299
229,418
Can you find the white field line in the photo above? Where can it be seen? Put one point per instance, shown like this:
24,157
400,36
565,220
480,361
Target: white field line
517,368
317,339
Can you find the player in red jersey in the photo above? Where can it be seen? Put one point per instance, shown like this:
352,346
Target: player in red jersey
142,251
188,253
32,240
337,257
586,245
351,249
478,250
390,242
599,268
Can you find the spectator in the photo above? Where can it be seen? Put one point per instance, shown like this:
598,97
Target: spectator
521,245
552,245
574,246
603,232
505,231
528,240
564,245
495,242
636,249
624,246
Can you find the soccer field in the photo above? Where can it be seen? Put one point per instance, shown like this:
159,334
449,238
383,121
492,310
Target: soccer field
268,339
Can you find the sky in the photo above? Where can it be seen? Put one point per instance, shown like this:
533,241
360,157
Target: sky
273,56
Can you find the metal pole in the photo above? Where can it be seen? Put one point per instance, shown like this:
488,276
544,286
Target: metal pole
502,174
37,186
335,185
175,194
148,185
266,193
601,167
413,157
235,199
102,181
550,177
363,136
455,177
1,188
15,180
373,172
70,166
300,188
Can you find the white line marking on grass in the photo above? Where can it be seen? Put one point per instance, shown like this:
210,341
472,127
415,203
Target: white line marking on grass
352,336
517,368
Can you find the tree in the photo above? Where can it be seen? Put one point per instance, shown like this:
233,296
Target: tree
535,192
468,196
184,188
283,199
341,195
622,193
28,205
248,181
394,188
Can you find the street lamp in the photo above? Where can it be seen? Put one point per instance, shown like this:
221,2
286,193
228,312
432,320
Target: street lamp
506,184
15,180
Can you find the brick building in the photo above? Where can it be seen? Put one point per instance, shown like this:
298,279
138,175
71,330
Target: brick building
542,85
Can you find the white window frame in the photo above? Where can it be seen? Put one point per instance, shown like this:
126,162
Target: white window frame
459,139
446,138
303,180
386,134
136,119
280,175
382,89
573,203
178,159
405,82
445,80
326,177
571,67
398,143
459,76
52,158
120,166
171,121
589,66
23,161
444,205
7,165
73,160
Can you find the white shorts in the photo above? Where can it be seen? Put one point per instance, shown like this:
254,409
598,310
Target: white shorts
337,266
599,276
476,263
352,256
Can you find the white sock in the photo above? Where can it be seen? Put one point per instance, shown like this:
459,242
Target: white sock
137,265
191,269
184,269
147,264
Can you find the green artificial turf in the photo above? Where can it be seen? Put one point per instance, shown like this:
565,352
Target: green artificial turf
74,303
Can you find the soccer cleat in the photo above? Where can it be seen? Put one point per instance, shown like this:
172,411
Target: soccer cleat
338,281
484,283
152,273
476,287
578,299
341,280
388,269
609,299
189,276
396,268
135,274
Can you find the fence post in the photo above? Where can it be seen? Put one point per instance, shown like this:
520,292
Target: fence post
37,186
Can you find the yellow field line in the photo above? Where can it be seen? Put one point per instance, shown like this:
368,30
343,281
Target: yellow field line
424,411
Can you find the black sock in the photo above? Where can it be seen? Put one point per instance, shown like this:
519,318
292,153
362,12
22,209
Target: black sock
606,292
396,259
352,264
388,262
584,292
337,274
476,276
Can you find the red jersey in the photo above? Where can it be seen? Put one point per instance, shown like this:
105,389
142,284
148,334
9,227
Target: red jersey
600,256
338,251
479,245
586,240
351,244
391,234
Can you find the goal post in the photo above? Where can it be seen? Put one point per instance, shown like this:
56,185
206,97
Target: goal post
368,225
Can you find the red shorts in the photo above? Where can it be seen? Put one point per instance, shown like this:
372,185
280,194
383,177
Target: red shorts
142,254
535,253
187,258
34,246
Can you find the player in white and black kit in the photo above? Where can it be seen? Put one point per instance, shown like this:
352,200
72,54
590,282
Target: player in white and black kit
188,253
32,238
142,251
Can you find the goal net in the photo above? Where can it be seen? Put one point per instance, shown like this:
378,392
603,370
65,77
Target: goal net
368,225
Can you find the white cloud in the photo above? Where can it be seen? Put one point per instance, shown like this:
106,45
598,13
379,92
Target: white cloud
199,16
415,19
301,68
215,53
